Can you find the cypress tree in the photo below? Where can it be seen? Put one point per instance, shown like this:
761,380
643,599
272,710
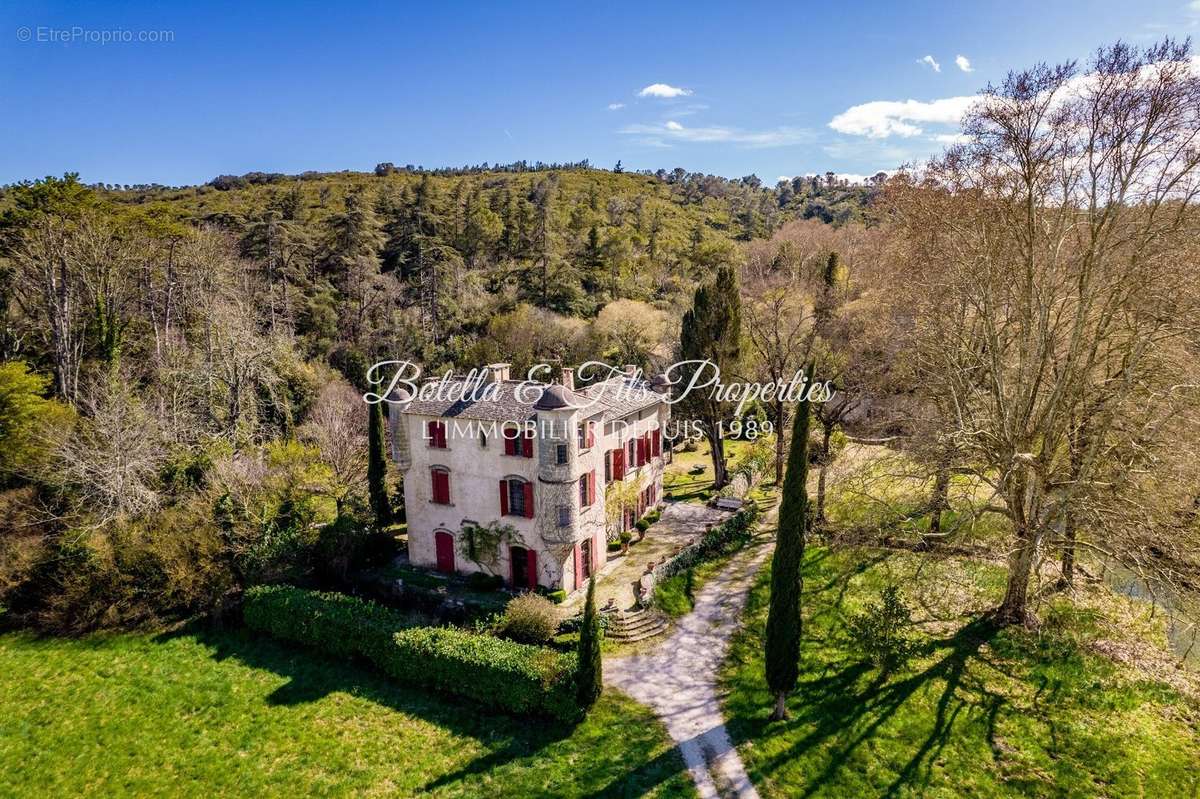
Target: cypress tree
589,676
783,617
377,467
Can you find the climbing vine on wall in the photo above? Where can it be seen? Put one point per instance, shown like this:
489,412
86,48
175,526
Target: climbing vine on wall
480,543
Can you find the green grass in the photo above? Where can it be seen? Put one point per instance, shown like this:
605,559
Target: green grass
978,712
689,476
226,714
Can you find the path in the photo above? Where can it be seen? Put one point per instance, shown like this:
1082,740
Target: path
678,679
681,524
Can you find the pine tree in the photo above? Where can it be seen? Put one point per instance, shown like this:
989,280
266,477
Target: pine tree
783,617
377,467
589,676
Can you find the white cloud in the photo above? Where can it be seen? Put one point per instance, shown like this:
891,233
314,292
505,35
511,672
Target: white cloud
950,138
663,90
1194,6
964,63
883,118
931,62
615,106
673,131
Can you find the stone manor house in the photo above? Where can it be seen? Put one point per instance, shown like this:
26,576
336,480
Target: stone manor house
537,458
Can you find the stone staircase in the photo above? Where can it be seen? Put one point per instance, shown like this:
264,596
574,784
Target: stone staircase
628,626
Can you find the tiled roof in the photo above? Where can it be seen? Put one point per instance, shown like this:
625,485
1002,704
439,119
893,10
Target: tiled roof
615,398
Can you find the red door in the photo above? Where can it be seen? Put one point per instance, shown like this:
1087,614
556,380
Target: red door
444,542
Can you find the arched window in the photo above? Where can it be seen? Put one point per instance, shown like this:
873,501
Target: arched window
440,480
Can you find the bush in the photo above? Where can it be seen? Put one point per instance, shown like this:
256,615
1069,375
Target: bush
529,619
493,672
880,632
558,596
500,674
642,525
334,623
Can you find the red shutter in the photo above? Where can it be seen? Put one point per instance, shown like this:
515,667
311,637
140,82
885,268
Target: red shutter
441,486
591,434
441,430
657,442
528,500
591,487
527,445
531,562
503,497
641,451
433,434
510,442
618,464
579,566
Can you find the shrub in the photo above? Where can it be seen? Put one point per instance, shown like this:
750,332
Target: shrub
529,619
334,623
642,525
500,674
557,596
493,672
625,537
880,633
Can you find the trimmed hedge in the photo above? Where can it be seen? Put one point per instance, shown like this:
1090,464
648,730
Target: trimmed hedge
334,623
499,674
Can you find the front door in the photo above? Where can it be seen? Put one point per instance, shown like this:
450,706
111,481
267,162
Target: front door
585,560
519,558
444,542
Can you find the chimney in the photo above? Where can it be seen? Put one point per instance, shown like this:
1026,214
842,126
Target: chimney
568,378
499,371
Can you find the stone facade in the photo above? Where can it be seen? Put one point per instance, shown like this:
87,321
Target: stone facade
532,457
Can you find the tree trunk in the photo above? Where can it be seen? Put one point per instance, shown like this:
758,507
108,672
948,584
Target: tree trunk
938,503
780,452
1015,607
1068,555
826,437
780,712
716,448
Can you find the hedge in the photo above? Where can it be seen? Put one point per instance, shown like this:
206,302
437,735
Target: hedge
499,674
739,526
496,673
334,623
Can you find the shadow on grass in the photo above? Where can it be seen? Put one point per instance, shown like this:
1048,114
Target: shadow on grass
312,676
833,704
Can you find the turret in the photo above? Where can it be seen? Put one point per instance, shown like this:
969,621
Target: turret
558,457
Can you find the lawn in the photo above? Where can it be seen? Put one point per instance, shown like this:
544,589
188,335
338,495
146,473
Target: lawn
978,712
689,475
228,714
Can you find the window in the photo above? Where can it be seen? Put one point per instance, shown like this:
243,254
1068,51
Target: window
630,456
561,454
437,435
516,497
587,435
518,443
440,479
587,489
482,439
608,467
564,516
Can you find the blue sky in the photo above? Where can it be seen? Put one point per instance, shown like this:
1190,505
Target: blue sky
744,87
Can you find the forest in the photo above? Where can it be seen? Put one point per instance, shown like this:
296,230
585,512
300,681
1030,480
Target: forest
180,367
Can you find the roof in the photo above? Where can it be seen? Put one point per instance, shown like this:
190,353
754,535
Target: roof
516,401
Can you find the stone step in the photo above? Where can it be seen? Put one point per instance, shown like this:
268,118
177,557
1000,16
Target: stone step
636,626
641,635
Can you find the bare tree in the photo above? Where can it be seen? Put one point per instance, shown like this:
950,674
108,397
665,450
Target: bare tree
1053,296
